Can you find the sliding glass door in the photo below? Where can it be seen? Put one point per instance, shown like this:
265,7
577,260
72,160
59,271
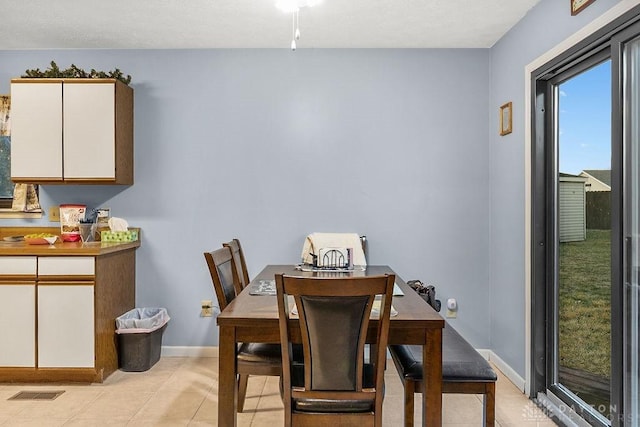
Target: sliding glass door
630,82
586,229
582,292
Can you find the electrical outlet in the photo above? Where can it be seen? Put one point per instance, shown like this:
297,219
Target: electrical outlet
54,214
206,308
452,308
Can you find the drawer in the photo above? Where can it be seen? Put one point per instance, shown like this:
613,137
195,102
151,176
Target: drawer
22,265
66,266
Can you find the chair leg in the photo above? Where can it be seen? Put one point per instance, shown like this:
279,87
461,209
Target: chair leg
489,409
288,416
242,390
409,390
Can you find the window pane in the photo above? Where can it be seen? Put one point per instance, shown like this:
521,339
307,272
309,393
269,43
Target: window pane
584,270
6,186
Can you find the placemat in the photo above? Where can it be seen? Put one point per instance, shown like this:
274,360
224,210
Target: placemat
268,287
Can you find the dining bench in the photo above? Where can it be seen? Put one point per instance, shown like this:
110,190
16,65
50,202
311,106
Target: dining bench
464,370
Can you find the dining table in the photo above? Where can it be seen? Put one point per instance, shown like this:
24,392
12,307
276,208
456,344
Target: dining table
253,317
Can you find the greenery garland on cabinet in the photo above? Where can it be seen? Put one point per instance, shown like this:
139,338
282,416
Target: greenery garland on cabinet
74,72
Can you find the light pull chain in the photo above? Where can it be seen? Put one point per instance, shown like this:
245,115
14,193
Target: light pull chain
293,30
293,7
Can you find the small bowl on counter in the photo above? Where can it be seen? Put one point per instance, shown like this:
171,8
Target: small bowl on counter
40,239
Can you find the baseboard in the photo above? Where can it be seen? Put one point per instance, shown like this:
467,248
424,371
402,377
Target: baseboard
486,353
183,351
180,351
508,372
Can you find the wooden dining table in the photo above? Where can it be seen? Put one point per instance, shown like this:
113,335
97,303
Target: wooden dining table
254,318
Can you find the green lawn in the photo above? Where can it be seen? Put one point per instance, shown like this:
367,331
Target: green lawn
585,303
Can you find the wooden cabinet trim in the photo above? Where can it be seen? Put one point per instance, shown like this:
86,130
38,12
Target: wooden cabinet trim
35,80
66,281
30,375
67,80
8,280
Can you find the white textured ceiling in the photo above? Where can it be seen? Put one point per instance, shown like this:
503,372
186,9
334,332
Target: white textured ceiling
178,24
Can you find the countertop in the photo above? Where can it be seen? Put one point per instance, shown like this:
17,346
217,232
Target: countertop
59,248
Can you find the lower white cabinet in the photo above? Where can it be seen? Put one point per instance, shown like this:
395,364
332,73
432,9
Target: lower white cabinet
18,311
18,325
57,312
65,326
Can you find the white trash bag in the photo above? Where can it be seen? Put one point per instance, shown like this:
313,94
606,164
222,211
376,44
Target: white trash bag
141,320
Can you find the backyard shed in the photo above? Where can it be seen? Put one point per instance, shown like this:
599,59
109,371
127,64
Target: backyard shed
571,200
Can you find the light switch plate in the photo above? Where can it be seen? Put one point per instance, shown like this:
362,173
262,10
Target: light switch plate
54,214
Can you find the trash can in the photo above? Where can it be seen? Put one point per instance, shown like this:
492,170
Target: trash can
139,334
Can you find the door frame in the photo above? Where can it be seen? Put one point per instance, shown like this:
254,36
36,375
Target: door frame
546,217
591,40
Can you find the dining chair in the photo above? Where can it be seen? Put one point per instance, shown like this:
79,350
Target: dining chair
239,262
252,358
334,385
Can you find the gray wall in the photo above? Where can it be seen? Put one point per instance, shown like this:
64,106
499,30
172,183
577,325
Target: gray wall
544,27
240,143
270,145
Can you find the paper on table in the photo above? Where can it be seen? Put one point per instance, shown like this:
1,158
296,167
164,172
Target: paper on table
263,287
268,287
375,310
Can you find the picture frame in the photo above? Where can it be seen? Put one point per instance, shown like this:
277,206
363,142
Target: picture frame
506,118
578,6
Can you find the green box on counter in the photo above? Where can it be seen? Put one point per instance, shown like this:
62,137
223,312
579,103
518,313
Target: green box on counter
130,235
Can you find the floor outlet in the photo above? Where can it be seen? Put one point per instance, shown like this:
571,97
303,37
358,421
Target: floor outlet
206,308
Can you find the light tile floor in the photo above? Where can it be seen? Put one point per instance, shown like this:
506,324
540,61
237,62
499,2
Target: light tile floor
184,392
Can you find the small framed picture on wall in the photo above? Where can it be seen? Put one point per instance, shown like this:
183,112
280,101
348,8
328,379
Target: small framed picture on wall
578,5
506,118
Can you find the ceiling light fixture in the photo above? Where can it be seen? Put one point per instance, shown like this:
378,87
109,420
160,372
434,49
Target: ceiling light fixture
293,7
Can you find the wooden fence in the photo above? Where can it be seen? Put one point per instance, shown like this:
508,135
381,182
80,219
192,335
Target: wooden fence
598,210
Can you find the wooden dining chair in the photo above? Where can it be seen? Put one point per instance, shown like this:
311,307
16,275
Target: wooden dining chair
334,385
252,358
239,262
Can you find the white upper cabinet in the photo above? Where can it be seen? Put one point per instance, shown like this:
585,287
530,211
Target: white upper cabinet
76,131
89,131
36,134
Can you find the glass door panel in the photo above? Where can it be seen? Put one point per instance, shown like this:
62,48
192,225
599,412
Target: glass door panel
631,137
583,290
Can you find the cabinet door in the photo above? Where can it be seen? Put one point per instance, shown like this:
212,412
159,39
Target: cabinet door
36,131
65,325
18,324
89,131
